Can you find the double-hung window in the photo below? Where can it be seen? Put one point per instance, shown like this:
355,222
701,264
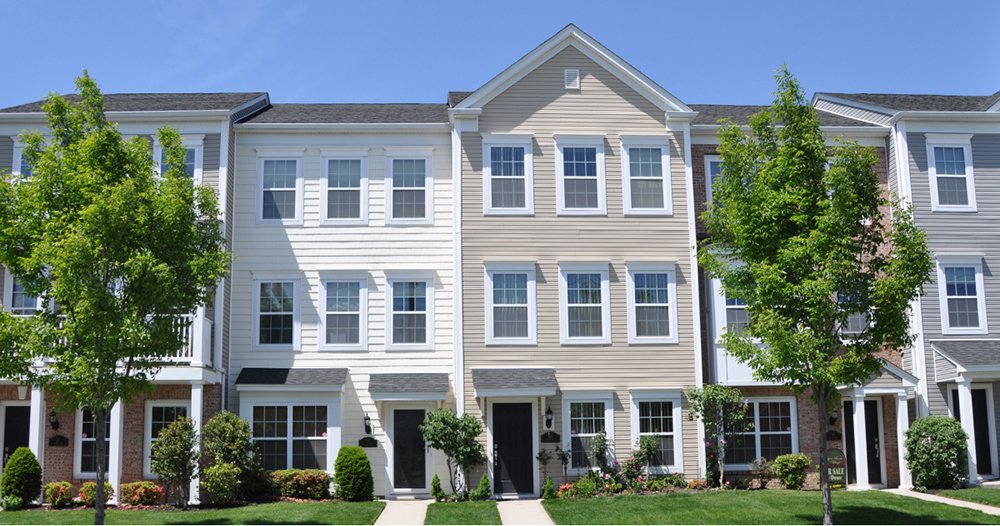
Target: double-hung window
507,175
291,436
736,315
21,166
856,322
193,157
410,311
344,299
658,414
963,298
280,192
409,188
160,414
646,176
277,314
510,304
713,171
584,301
652,300
771,430
949,164
19,301
580,179
585,415
344,200
85,460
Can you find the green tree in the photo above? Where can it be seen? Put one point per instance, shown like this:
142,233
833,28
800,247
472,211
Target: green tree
723,413
807,247
119,250
458,438
173,457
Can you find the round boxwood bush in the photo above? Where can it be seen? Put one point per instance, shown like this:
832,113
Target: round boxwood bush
353,475
936,453
22,476
220,483
791,469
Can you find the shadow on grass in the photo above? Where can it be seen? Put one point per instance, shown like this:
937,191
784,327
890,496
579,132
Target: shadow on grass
869,515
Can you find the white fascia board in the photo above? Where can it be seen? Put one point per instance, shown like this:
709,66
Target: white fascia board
511,393
947,116
130,116
299,127
289,388
429,396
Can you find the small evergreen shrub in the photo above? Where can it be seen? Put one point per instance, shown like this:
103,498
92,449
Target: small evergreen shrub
173,457
936,453
22,476
791,469
220,484
88,493
58,494
353,475
549,489
11,503
763,471
436,490
227,438
676,480
483,492
311,484
144,493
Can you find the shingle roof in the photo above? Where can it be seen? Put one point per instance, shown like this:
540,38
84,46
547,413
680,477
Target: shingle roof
352,113
455,97
408,383
908,102
155,102
971,353
740,114
488,379
297,376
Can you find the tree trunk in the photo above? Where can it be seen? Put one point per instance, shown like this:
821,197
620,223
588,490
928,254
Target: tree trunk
100,420
822,403
720,453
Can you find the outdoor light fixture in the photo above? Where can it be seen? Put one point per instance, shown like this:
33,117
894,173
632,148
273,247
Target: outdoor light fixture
548,418
22,392
368,424
53,420
834,415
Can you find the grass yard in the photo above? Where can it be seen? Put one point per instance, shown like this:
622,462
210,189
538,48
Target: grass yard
759,507
484,512
988,496
271,513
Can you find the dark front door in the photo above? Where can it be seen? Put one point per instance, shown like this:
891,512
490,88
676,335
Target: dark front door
981,426
408,452
15,429
873,439
512,459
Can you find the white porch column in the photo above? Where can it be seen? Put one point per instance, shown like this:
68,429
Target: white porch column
902,425
197,343
36,425
117,420
968,424
197,406
860,443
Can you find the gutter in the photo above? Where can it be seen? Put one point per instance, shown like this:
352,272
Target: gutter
297,127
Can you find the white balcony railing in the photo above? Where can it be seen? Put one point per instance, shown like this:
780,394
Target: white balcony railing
196,335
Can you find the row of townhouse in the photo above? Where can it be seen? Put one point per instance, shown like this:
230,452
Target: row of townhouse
522,253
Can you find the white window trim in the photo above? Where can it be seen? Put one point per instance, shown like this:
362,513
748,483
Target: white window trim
334,415
280,154
147,443
501,140
195,142
668,268
15,167
709,159
296,344
674,397
8,294
961,261
78,449
360,278
793,414
584,267
949,140
391,278
343,155
568,397
647,142
580,141
511,268
420,154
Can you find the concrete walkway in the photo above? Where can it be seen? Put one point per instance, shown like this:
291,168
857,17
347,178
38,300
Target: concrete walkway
989,510
522,512
404,512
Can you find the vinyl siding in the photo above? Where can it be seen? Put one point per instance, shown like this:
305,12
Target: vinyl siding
943,369
539,105
210,161
853,112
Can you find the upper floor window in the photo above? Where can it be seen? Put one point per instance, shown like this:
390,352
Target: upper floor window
280,186
737,317
646,176
580,176
585,308
277,314
344,301
409,189
713,170
856,322
345,197
193,157
410,312
652,297
19,301
510,304
507,175
949,164
20,165
963,301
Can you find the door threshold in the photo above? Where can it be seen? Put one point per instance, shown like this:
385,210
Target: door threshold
514,496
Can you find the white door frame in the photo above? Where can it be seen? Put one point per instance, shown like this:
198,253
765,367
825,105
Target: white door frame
390,430
991,421
3,421
534,439
881,434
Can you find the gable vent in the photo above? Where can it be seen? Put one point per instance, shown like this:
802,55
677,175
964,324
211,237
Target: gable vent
571,78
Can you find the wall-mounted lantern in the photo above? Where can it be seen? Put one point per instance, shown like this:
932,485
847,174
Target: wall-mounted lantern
548,418
368,424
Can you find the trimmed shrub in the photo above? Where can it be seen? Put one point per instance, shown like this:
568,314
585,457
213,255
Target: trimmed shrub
791,469
763,472
174,459
353,475
302,483
227,439
483,492
220,484
11,503
58,494
936,453
436,490
548,489
88,493
585,487
144,493
22,476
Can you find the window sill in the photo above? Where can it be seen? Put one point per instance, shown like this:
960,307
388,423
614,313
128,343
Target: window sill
409,222
581,212
280,222
569,342
651,341
344,349
343,222
509,212
965,331
423,347
282,348
649,213
525,342
958,209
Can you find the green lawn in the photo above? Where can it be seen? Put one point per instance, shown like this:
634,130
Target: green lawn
271,513
484,512
759,507
988,496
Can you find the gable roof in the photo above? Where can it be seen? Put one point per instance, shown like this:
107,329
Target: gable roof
156,102
709,114
573,36
893,102
351,113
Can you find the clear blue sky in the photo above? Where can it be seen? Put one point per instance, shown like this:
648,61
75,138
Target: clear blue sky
415,51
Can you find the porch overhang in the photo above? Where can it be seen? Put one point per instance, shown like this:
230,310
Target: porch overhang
970,359
507,383
291,379
891,380
399,387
